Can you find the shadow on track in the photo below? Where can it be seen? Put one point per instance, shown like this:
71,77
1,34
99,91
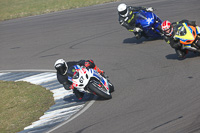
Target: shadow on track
73,98
139,41
175,56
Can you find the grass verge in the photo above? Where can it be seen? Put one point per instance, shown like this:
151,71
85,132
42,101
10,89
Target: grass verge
21,104
10,9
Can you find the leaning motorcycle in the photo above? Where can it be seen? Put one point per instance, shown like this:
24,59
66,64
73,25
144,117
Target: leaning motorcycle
89,80
150,23
188,36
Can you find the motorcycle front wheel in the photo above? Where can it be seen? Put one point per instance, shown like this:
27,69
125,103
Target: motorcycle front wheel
99,89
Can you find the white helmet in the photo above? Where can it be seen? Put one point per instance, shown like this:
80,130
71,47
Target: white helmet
122,9
61,66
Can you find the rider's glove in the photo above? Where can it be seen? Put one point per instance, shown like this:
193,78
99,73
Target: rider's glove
150,9
71,87
162,34
137,29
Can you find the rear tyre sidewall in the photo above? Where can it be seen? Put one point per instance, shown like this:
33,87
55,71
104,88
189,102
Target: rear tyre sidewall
111,87
198,43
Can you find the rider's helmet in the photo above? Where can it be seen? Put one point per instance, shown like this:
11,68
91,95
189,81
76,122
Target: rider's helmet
167,28
122,9
61,66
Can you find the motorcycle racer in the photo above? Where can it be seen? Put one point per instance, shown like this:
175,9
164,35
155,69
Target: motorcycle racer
62,67
169,32
127,18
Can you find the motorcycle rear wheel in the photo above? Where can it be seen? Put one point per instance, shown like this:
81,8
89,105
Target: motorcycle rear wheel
111,87
198,43
98,90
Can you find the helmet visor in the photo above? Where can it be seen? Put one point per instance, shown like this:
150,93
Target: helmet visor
169,31
61,68
123,12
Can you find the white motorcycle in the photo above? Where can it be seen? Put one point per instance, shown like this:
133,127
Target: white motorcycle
89,80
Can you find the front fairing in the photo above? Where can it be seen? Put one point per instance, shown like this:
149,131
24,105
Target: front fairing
148,20
80,76
145,19
185,33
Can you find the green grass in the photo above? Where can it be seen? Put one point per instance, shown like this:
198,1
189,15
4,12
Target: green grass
10,9
21,103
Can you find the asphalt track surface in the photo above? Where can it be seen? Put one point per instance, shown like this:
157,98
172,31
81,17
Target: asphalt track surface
155,92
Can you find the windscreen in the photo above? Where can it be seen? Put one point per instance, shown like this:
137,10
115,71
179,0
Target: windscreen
141,16
180,30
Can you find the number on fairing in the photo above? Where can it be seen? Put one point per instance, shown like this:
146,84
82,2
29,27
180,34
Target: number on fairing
81,79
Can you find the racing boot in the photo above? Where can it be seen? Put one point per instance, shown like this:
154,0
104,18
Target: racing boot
104,75
99,70
181,53
78,94
138,35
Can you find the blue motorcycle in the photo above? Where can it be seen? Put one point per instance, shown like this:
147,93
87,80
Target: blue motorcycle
149,22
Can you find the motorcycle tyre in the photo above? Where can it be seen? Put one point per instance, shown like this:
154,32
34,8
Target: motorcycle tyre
111,87
198,43
98,92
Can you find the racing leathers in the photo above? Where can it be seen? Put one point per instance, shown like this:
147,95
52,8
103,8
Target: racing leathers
63,79
174,42
128,20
